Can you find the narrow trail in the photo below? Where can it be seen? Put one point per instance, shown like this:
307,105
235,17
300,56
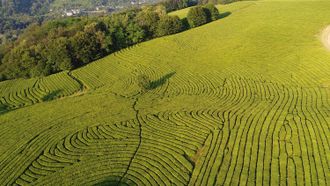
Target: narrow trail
325,37
82,86
140,139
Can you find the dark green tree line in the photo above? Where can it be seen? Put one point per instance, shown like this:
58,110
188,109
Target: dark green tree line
69,43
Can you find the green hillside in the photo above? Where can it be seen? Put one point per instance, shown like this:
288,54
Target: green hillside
244,100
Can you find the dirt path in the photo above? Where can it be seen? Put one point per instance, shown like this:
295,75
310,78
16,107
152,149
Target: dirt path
325,37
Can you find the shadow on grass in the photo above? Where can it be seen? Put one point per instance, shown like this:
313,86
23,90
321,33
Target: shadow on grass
4,109
223,15
51,95
159,82
112,181
185,24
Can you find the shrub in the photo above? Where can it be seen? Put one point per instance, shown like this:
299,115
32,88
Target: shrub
172,5
197,16
212,11
169,25
143,82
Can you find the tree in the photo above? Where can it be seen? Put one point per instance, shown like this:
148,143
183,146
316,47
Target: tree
172,5
2,52
197,16
102,34
134,34
41,69
63,44
106,41
86,47
212,11
160,9
121,28
148,20
169,25
58,55
143,83
21,60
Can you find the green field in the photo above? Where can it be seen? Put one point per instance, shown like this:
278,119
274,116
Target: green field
244,100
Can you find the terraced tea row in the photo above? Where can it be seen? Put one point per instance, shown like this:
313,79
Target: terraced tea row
20,93
244,100
217,46
255,132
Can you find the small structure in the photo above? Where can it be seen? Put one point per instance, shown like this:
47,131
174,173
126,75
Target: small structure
71,12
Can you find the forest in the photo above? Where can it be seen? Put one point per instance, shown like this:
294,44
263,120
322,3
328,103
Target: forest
68,43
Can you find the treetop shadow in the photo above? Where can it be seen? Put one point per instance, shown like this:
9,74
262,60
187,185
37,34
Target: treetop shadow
112,181
51,95
3,109
223,15
159,82
146,84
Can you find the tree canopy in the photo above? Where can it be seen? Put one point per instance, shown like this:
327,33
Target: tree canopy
169,25
68,43
197,16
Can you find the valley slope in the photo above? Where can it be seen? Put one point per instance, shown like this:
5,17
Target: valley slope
242,100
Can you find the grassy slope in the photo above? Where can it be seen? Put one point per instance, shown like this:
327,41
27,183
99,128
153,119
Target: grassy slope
256,81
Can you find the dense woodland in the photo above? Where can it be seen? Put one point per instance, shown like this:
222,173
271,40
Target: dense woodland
65,44
16,15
